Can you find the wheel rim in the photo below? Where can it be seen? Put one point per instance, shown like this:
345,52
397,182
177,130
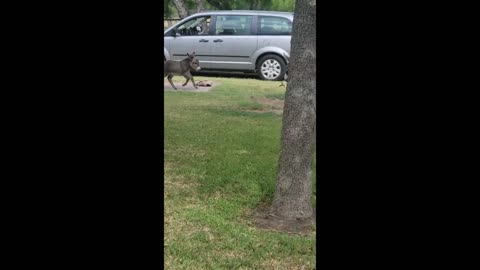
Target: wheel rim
271,69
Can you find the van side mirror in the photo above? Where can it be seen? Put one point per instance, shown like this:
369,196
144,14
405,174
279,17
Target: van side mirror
174,33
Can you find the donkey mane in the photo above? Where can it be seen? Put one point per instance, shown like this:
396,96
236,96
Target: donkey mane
186,59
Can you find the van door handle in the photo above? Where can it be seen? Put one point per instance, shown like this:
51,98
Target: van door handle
218,40
203,40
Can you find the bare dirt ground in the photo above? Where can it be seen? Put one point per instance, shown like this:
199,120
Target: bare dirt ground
269,105
264,220
189,87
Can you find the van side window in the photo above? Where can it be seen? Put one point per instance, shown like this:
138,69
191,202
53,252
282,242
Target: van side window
269,25
195,27
233,25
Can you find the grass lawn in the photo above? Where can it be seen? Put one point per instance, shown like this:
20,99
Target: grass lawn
221,153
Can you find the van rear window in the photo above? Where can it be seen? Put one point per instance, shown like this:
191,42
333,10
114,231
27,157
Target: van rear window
233,25
269,25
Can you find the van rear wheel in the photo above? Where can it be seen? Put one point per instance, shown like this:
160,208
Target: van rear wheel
271,68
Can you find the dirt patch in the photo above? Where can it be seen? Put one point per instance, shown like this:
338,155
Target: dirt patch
269,102
263,219
268,105
189,87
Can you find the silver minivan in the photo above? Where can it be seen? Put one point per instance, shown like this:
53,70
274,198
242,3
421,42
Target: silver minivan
246,41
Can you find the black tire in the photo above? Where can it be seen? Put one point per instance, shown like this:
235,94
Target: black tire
270,67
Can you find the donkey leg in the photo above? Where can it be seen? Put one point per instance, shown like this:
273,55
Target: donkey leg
186,77
193,82
170,76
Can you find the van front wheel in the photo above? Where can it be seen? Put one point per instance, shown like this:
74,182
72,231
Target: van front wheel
271,68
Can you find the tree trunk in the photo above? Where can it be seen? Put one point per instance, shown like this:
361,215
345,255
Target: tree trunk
181,8
220,4
200,5
252,4
293,194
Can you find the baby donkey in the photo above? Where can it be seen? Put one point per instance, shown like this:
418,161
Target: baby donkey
171,68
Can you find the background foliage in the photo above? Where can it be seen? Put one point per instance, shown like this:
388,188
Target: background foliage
277,5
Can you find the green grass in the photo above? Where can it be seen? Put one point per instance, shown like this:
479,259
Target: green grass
221,153
276,95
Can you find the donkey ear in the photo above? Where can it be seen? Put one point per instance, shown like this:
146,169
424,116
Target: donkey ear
188,54
193,53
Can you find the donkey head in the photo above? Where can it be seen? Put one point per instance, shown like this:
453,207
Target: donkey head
194,62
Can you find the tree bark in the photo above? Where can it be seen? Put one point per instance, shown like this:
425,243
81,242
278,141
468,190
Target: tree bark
293,194
220,4
181,8
200,5
252,4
